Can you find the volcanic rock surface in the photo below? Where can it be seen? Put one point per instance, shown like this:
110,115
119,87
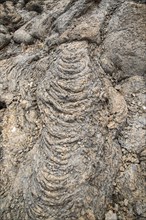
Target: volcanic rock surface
72,109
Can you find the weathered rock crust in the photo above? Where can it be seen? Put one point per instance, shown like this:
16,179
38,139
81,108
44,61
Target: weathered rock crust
72,109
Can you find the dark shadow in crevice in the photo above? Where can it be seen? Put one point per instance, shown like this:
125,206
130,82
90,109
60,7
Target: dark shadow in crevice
2,105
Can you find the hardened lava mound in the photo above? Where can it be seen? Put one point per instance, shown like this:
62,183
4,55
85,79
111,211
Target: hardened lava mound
72,110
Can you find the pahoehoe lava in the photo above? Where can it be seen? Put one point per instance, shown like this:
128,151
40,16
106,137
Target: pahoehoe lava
66,97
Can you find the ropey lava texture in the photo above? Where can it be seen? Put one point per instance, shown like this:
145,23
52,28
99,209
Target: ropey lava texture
72,104
67,150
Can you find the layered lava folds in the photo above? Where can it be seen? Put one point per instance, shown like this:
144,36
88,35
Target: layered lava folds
65,157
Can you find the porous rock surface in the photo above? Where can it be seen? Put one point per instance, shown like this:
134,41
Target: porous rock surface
72,109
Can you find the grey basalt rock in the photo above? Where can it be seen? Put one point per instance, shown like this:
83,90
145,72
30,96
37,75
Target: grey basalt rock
4,40
34,6
124,44
3,29
21,36
72,104
9,16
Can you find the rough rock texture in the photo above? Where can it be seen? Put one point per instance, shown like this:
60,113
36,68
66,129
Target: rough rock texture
72,109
